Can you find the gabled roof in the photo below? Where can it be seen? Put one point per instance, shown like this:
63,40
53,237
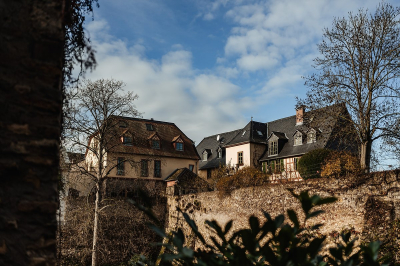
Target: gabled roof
252,132
211,143
164,130
280,135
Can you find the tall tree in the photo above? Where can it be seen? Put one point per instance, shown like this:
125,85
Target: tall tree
91,127
360,66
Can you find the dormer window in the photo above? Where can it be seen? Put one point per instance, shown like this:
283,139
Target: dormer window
127,140
298,139
219,153
149,127
311,136
155,144
178,143
179,146
205,155
273,148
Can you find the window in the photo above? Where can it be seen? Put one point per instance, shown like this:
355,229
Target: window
277,166
191,167
122,124
179,146
149,127
273,148
205,156
155,144
144,170
240,158
157,168
120,166
296,161
127,140
298,139
219,153
208,173
311,136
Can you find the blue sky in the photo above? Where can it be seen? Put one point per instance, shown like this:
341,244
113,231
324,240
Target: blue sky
209,66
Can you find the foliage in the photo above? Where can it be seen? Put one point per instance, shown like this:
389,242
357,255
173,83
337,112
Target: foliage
77,47
340,163
248,176
217,174
309,165
272,242
358,67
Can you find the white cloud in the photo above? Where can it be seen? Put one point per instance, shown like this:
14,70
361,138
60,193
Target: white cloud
170,89
280,29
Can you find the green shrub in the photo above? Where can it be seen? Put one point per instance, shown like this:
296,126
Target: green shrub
246,177
310,164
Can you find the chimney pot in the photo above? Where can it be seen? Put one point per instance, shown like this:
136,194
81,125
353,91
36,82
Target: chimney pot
299,115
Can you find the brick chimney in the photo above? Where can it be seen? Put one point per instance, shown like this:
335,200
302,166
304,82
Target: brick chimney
299,115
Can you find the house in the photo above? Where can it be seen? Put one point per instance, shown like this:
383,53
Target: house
234,149
143,149
183,181
276,146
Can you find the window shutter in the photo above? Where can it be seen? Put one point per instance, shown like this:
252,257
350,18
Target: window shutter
282,165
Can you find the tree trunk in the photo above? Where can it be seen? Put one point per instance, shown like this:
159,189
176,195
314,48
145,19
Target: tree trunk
96,224
365,155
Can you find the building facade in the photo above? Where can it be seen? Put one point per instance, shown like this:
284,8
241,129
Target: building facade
276,146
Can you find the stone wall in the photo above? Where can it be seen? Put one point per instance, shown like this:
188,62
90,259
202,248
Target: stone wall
31,52
355,209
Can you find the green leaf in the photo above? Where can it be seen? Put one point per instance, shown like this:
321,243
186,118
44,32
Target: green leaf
313,214
293,217
254,225
228,226
326,201
157,230
279,220
194,227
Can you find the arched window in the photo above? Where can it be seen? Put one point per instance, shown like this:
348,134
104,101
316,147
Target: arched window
298,139
205,156
311,136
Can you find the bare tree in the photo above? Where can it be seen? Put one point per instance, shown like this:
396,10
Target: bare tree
90,127
359,66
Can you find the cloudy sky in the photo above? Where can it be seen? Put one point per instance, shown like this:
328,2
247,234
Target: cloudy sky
209,66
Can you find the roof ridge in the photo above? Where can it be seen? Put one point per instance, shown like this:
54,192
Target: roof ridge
143,119
222,133
281,119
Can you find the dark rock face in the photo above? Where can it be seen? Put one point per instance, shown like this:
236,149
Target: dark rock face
31,52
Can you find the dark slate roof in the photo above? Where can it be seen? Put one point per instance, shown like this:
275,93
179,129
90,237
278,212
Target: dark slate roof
252,132
211,145
287,125
280,135
167,132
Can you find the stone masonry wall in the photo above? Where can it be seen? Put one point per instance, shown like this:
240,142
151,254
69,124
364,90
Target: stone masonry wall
353,210
31,52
